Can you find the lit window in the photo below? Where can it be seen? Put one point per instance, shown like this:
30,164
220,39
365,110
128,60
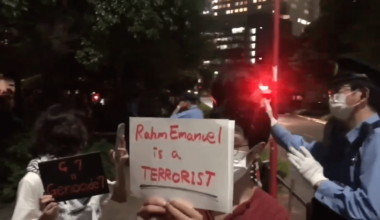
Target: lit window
236,10
293,5
253,38
260,58
238,30
254,1
215,7
222,47
253,60
245,9
253,31
306,12
232,11
261,27
272,11
228,11
241,10
253,53
215,13
259,7
206,62
263,0
253,46
228,5
236,3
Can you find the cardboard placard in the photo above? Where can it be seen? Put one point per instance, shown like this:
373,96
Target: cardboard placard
74,177
185,159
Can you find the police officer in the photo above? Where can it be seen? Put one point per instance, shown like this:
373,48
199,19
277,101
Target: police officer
188,108
345,172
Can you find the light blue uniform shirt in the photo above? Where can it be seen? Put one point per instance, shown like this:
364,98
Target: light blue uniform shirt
353,189
193,112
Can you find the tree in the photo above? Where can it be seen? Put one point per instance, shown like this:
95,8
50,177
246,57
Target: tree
145,44
343,28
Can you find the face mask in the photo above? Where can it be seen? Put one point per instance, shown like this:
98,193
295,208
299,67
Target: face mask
338,106
240,164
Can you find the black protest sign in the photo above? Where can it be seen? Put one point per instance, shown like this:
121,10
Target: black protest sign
74,177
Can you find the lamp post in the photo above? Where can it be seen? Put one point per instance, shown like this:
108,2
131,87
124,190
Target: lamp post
273,145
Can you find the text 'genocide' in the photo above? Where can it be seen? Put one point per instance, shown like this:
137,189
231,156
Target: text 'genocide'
175,133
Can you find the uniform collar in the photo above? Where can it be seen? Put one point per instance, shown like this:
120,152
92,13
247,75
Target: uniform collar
193,107
353,134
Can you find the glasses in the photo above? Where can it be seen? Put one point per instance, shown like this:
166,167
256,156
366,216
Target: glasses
339,90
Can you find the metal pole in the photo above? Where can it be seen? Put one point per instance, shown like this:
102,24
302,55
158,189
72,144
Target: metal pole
273,148
292,183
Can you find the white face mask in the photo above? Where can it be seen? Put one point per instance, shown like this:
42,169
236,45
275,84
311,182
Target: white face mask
240,164
338,106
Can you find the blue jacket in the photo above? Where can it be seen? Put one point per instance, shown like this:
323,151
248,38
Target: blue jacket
353,189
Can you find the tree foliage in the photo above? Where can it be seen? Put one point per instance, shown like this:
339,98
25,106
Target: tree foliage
343,28
129,40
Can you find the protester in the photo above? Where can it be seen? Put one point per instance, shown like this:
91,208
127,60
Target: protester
249,201
59,132
344,172
188,108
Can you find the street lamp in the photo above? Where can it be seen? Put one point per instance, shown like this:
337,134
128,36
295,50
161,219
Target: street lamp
273,146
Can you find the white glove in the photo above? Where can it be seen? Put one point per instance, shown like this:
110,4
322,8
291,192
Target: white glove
309,168
269,111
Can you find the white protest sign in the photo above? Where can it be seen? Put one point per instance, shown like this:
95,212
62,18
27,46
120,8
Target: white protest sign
188,159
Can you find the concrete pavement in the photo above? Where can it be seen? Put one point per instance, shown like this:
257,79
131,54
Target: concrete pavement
207,101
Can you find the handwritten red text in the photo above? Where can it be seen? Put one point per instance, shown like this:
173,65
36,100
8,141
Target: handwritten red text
157,151
100,182
175,155
176,134
189,177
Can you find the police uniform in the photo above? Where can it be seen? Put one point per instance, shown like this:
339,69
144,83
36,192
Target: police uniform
351,161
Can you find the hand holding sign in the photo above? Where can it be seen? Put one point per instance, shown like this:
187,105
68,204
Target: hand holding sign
74,177
182,211
120,157
187,159
49,208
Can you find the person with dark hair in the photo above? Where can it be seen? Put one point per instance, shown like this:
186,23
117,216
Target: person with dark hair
249,200
343,169
60,132
188,107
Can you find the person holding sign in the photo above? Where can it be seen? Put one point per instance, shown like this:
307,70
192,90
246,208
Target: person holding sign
60,133
250,202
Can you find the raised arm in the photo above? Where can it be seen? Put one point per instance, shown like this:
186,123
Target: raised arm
286,139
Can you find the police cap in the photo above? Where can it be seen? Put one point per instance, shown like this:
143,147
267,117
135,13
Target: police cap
348,70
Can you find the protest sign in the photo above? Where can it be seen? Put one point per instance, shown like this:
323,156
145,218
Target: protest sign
74,177
190,160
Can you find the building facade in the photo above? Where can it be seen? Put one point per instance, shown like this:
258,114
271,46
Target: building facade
242,30
302,13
